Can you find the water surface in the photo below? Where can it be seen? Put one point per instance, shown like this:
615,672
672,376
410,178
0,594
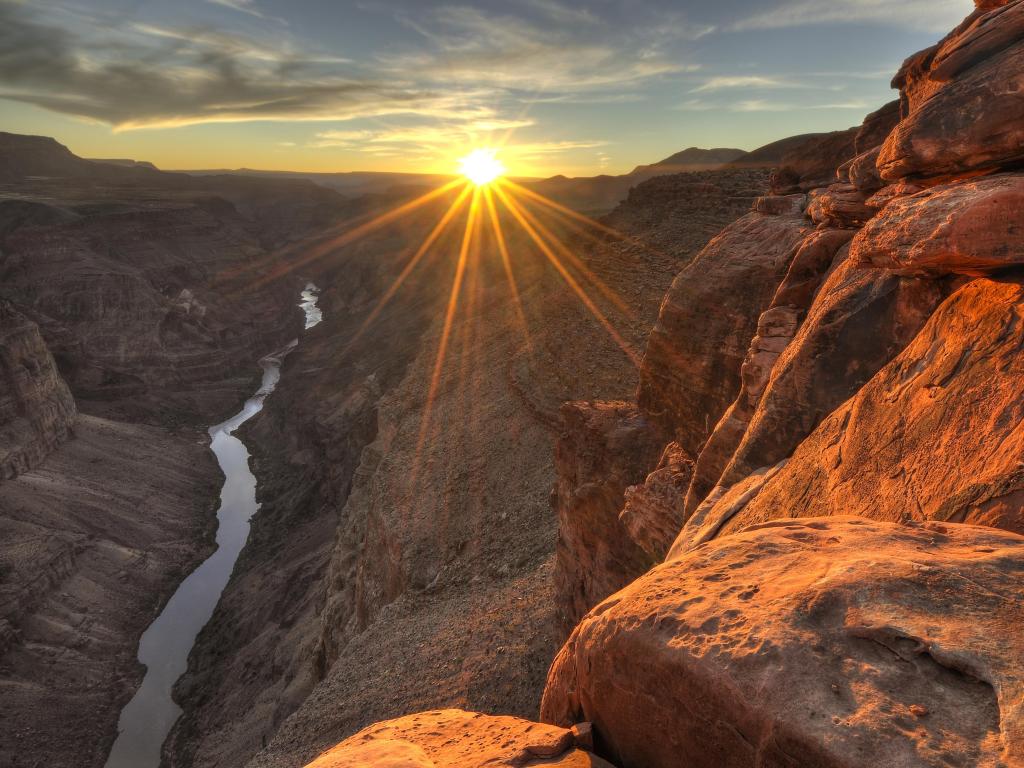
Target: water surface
148,717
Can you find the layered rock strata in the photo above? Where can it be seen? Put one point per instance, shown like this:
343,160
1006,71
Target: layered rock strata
37,412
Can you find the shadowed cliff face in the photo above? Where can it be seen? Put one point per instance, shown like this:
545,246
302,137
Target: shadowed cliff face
151,289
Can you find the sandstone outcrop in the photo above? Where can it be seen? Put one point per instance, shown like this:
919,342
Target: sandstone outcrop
840,642
37,412
973,227
453,738
690,370
961,100
655,511
775,329
914,443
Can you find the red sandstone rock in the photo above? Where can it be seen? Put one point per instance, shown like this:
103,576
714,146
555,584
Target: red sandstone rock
841,642
839,205
451,738
935,435
776,327
603,449
972,228
877,126
859,322
654,512
813,164
691,369
962,106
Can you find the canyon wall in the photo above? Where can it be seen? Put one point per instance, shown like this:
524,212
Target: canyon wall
144,300
837,390
395,566
37,412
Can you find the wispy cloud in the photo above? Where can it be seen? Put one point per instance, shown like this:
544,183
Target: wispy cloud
745,81
140,76
930,15
242,6
565,50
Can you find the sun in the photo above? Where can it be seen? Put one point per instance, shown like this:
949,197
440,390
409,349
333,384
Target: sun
481,166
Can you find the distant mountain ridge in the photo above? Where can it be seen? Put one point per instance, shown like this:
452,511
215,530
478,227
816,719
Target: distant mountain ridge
693,159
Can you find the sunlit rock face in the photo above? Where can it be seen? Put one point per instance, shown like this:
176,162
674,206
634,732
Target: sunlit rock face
691,369
971,227
37,411
933,436
839,642
961,100
453,738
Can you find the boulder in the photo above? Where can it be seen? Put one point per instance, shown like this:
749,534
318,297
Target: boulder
452,738
603,449
839,205
839,643
935,435
961,100
973,227
691,369
863,172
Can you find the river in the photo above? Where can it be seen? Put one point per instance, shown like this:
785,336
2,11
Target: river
164,648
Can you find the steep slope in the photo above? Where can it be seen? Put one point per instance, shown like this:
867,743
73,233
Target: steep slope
369,523
37,412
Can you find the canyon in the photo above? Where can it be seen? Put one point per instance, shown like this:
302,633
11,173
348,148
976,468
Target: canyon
731,476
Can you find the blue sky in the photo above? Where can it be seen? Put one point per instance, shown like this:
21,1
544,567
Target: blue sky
571,87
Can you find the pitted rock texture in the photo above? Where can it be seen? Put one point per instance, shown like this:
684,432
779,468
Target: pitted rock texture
973,227
933,436
840,643
452,738
37,411
691,369
961,100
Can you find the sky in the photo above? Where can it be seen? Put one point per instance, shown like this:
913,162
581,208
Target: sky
410,85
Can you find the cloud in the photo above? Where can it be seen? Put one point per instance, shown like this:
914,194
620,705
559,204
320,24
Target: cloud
438,139
565,50
140,76
762,105
242,6
928,15
745,81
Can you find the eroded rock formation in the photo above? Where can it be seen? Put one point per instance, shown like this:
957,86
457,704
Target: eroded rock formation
453,738
841,642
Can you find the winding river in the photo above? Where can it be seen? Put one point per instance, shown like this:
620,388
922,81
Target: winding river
148,717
